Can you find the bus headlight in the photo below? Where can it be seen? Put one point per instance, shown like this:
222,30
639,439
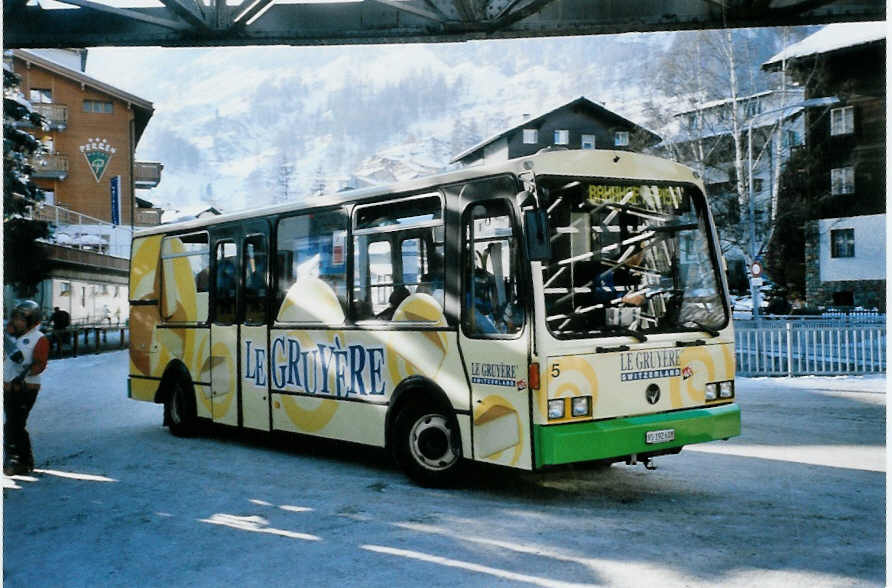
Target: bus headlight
556,409
726,389
581,406
712,391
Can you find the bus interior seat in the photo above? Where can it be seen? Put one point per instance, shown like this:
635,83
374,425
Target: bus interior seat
417,302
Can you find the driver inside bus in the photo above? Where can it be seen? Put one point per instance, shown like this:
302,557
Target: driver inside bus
618,285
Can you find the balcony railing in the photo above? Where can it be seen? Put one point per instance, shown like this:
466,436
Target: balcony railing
79,231
147,217
56,114
147,174
50,166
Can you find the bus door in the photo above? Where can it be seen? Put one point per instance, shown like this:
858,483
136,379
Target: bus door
494,327
254,335
224,329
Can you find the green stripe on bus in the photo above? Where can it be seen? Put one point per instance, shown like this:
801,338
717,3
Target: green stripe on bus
560,444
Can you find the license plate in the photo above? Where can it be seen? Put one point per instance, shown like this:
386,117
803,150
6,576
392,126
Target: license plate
661,436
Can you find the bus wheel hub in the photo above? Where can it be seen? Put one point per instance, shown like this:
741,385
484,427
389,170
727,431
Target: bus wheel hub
431,442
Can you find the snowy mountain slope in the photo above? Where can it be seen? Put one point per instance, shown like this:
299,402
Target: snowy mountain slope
234,126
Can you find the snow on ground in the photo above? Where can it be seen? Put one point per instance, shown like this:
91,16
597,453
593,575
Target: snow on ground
797,500
875,383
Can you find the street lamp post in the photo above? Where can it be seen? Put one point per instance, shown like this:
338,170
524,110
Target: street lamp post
811,102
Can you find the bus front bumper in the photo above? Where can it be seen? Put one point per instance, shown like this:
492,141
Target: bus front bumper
594,440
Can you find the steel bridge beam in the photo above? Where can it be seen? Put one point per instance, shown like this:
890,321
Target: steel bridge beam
178,23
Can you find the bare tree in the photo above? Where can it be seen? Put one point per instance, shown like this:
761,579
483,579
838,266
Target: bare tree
285,176
712,78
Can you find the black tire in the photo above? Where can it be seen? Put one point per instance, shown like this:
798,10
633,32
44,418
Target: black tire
427,444
179,409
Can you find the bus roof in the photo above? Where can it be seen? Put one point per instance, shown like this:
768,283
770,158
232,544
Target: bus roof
602,163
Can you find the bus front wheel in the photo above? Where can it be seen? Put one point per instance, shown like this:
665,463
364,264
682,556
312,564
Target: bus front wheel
179,410
428,445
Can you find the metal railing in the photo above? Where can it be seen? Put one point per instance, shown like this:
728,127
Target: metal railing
810,347
55,114
72,228
147,174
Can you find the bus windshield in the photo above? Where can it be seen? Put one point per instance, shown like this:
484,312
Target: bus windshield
628,258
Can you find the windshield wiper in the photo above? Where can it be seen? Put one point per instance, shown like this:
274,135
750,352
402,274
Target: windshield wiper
701,327
669,228
624,331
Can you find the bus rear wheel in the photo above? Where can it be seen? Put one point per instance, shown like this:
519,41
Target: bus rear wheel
179,410
428,445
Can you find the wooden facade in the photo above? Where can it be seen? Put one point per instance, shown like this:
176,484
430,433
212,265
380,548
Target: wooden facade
855,75
95,114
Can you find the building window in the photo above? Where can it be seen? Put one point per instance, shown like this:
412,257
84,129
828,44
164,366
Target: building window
588,142
530,136
752,107
791,139
41,96
844,298
842,243
98,106
49,197
842,180
842,120
562,137
621,139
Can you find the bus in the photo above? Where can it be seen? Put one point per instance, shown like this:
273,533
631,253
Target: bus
565,307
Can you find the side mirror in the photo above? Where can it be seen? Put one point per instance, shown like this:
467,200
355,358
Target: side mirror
537,239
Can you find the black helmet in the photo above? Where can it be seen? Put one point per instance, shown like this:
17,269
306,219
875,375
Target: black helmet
28,310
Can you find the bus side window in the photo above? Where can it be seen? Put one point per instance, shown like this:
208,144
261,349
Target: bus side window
184,277
311,253
492,304
397,260
254,265
227,278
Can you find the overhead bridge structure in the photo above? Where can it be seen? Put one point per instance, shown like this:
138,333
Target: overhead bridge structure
172,23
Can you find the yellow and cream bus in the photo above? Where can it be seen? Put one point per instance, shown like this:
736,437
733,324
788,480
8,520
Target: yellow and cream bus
559,308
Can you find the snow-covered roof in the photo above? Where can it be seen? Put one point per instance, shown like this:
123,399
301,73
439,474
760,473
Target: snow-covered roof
831,38
185,213
724,101
759,121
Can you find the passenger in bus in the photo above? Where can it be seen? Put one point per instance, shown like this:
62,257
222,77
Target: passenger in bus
431,283
399,294
226,280
483,307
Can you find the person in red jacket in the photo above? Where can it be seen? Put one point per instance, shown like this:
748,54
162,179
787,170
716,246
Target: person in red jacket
26,351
